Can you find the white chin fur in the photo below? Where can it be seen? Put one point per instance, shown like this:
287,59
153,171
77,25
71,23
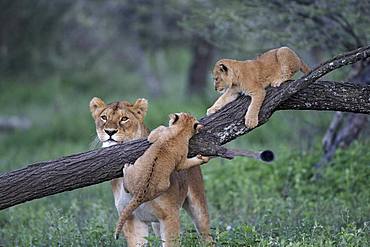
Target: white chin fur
108,143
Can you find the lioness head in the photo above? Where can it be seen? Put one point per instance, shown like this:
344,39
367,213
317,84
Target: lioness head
185,120
119,121
223,75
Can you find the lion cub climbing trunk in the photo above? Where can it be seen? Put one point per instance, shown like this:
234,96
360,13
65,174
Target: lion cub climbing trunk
150,175
251,77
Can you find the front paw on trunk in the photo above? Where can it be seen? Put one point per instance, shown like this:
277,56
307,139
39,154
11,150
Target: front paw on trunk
251,122
212,110
204,159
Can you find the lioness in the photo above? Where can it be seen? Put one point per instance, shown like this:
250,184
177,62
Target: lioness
120,122
251,77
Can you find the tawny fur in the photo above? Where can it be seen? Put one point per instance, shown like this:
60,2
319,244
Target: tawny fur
251,77
163,213
150,175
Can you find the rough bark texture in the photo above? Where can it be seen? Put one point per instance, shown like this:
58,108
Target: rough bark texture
76,171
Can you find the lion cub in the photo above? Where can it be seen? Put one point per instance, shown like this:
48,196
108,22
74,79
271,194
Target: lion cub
251,77
150,175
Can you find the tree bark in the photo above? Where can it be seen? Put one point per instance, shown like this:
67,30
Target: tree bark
79,170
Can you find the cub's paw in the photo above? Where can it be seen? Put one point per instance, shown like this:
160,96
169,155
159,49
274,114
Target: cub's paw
212,110
275,83
204,159
251,122
125,166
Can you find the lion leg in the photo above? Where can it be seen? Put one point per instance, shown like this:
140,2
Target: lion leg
195,161
117,185
285,74
196,204
251,117
156,133
224,99
289,64
129,177
135,232
170,229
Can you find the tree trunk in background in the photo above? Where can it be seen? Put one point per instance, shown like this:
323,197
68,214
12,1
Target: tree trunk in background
202,55
143,68
345,127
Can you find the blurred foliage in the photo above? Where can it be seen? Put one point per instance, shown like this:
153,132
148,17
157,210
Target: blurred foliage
73,35
246,25
29,32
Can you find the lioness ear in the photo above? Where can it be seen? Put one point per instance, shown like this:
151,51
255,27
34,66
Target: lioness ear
140,107
223,68
173,118
95,104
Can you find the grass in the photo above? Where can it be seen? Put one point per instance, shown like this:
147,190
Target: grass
251,204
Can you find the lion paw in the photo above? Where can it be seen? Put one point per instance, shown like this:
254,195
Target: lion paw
276,83
212,110
251,122
204,159
125,166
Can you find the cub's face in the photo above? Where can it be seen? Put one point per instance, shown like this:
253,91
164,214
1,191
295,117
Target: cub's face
120,121
222,76
185,120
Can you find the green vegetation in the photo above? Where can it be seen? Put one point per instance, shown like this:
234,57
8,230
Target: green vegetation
250,203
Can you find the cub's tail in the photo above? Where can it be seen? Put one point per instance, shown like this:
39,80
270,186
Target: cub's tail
304,67
127,212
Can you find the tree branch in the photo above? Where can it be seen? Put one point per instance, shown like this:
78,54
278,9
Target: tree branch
84,169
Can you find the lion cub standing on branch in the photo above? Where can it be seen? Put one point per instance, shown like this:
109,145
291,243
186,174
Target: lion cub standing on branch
150,175
251,77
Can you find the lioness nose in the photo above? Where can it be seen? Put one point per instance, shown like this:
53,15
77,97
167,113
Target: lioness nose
110,132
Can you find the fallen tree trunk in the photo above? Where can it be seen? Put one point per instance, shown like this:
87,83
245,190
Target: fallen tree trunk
84,169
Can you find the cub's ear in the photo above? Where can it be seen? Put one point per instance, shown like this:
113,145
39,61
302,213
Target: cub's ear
140,107
197,127
223,68
173,118
95,104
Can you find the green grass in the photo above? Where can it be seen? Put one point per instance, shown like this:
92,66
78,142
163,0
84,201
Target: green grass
251,203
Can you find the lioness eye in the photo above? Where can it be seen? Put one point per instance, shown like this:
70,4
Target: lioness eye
104,118
123,119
